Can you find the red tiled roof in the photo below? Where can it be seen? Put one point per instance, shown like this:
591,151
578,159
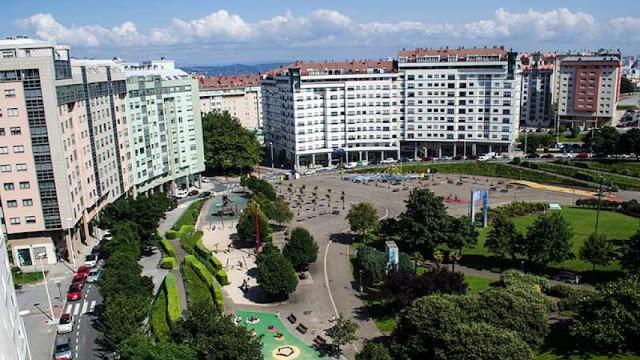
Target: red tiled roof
460,53
226,82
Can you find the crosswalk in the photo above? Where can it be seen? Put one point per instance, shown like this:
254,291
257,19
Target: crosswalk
80,308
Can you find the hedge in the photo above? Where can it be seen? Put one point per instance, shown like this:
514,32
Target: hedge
189,216
205,275
159,324
168,262
167,247
518,208
222,277
517,279
171,234
173,301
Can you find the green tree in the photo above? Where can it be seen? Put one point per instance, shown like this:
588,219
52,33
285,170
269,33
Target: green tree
597,250
425,222
603,141
548,239
276,276
213,336
374,351
627,86
247,224
228,146
301,250
343,332
281,213
123,316
503,239
463,234
630,142
630,259
362,218
481,342
140,347
372,263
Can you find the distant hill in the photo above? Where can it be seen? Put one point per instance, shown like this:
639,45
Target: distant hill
235,69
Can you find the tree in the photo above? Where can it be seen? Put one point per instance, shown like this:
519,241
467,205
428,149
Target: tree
281,213
362,218
548,239
301,250
630,142
374,351
405,286
259,186
480,341
425,221
123,316
604,140
463,234
276,276
503,239
213,336
343,332
609,320
630,259
140,347
247,224
228,146
342,199
627,86
597,250
372,263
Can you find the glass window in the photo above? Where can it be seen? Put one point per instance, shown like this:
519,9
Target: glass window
12,112
12,203
18,149
27,202
16,130
15,221
4,150
9,186
23,185
30,220
21,167
5,168
24,257
10,93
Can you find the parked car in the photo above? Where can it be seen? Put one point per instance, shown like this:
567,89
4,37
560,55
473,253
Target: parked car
583,155
388,161
205,194
458,157
350,165
65,325
94,275
427,158
180,194
79,280
74,293
532,156
568,277
62,350
204,179
95,250
547,156
310,172
106,235
83,270
91,260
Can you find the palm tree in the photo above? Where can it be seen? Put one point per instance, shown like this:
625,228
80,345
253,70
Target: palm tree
290,190
438,257
328,196
342,198
315,202
315,188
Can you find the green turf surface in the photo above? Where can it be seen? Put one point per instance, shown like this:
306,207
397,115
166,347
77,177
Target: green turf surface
26,278
617,227
159,321
269,341
477,284
622,182
620,167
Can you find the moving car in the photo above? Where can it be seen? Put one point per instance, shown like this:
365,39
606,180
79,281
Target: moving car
205,194
79,280
65,325
91,260
62,350
568,277
74,293
94,275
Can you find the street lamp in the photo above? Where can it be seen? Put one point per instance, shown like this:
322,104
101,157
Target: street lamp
22,314
271,144
46,287
73,253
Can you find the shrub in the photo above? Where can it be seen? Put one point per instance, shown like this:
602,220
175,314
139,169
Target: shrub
517,208
222,277
167,248
189,216
205,275
583,176
189,240
159,324
518,279
168,262
569,297
515,161
173,301
171,234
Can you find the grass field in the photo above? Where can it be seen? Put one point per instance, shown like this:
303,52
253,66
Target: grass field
617,227
621,182
477,284
197,290
159,321
20,279
619,167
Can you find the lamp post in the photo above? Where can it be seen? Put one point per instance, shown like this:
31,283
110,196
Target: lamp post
22,314
599,199
272,162
73,253
46,287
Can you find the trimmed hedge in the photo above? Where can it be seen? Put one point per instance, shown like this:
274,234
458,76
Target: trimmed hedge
205,275
171,234
222,277
167,247
173,301
168,262
189,216
159,324
517,279
518,208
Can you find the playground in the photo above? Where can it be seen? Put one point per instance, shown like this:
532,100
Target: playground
277,342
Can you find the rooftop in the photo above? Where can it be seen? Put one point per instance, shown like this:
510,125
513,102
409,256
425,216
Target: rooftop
347,67
459,54
229,82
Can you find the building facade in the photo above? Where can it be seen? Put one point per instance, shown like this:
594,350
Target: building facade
325,112
165,129
459,102
587,88
13,338
61,157
536,71
239,95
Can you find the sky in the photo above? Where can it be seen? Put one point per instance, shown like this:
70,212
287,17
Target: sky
249,32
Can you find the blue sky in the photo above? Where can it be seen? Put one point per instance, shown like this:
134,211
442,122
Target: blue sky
223,32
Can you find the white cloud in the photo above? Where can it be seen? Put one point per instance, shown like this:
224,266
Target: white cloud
326,28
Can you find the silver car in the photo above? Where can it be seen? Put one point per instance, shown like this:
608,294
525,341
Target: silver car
94,275
63,349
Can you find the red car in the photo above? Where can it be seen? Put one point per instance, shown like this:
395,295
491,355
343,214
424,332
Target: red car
79,280
74,293
547,156
582,155
427,158
458,157
83,269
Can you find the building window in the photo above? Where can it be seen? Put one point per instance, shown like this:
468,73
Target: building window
12,203
27,202
30,219
10,93
2,133
12,112
18,149
21,167
16,130
9,186
15,221
5,168
4,150
23,185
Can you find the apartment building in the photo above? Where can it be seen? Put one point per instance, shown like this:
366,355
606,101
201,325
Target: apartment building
587,87
61,154
13,338
239,95
536,71
165,129
459,101
324,112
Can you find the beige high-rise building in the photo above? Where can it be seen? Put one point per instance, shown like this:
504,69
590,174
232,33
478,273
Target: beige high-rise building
240,95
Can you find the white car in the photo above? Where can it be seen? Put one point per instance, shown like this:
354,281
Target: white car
65,325
91,260
350,165
204,179
94,275
388,161
310,171
181,194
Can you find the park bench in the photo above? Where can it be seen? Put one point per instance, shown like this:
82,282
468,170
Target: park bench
319,340
292,318
303,329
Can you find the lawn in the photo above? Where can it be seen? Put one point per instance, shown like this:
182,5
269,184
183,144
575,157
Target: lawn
617,227
197,290
621,182
159,321
630,168
477,284
20,278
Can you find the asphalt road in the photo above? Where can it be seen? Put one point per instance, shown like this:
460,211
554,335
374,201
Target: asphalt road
84,337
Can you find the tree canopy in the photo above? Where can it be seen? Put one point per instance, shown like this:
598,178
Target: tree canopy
301,250
276,276
630,259
362,217
597,250
228,146
503,239
548,239
603,140
247,224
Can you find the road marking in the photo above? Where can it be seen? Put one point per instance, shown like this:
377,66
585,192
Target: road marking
76,309
68,309
88,291
93,306
85,305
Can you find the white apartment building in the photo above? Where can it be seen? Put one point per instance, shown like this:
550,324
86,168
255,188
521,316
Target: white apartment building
536,71
13,338
459,101
165,129
239,95
324,112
